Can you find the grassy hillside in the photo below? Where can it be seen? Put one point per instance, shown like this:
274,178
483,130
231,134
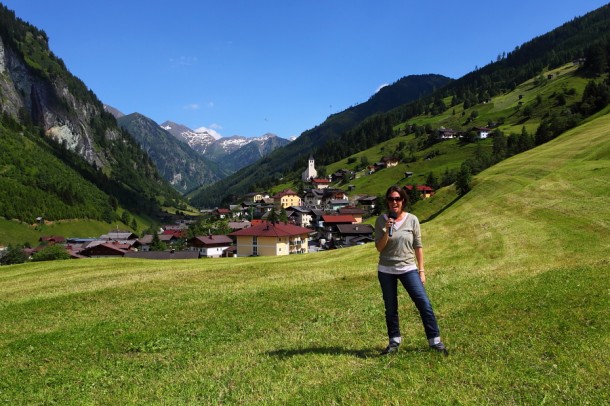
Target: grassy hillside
16,233
521,108
517,272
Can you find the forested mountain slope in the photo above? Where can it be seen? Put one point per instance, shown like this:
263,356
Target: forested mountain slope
42,101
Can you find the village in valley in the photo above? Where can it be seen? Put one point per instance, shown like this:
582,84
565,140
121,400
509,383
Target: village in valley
320,218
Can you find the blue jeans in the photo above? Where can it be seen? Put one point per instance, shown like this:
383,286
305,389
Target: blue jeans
417,292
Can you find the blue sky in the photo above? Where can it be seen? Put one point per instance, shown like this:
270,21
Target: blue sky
247,67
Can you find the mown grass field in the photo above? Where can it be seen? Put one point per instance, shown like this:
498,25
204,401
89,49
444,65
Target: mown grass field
517,272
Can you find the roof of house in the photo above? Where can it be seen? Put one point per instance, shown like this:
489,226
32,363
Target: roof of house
272,230
167,237
351,210
175,233
421,188
301,209
238,225
355,229
146,239
285,192
367,198
109,248
119,235
213,239
315,193
336,219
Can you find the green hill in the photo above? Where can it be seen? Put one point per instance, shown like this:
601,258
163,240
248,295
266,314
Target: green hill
517,272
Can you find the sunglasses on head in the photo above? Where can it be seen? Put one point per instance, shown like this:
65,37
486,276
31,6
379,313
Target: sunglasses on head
394,199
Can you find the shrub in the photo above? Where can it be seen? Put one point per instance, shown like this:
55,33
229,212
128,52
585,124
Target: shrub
51,253
13,255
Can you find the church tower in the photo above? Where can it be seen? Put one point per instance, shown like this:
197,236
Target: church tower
310,172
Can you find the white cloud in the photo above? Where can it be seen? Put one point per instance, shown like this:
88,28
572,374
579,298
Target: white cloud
210,130
381,87
192,106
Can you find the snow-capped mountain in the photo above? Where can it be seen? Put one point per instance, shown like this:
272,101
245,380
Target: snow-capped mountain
232,153
199,139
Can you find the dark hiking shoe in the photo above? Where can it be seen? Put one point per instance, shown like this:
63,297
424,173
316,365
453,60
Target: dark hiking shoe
390,349
440,348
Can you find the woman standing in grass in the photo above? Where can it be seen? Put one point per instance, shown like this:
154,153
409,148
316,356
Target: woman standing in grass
401,258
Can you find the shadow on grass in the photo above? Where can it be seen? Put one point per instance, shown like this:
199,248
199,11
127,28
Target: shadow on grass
362,353
435,215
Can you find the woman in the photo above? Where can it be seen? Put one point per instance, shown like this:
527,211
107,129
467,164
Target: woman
398,240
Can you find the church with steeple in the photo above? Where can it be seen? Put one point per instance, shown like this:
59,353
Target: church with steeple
310,172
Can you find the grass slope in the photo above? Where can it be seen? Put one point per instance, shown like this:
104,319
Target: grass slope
539,96
517,271
16,233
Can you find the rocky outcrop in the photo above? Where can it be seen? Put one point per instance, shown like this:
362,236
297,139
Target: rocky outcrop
50,104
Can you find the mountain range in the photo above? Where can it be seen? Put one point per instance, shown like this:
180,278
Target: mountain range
230,153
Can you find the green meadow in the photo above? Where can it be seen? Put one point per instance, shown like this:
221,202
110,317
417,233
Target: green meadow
518,272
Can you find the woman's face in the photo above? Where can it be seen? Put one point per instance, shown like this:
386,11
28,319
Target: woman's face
395,202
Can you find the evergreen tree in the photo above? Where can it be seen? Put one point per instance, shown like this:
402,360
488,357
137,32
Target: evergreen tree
432,181
134,224
283,216
272,217
157,244
464,180
448,178
125,217
413,196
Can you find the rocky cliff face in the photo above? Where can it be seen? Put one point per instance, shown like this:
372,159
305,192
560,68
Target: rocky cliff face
49,103
39,93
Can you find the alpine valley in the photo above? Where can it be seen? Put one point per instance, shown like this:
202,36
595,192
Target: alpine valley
65,156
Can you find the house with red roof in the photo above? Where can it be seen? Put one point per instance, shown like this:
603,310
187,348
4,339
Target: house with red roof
425,191
320,183
330,222
267,239
355,212
52,239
